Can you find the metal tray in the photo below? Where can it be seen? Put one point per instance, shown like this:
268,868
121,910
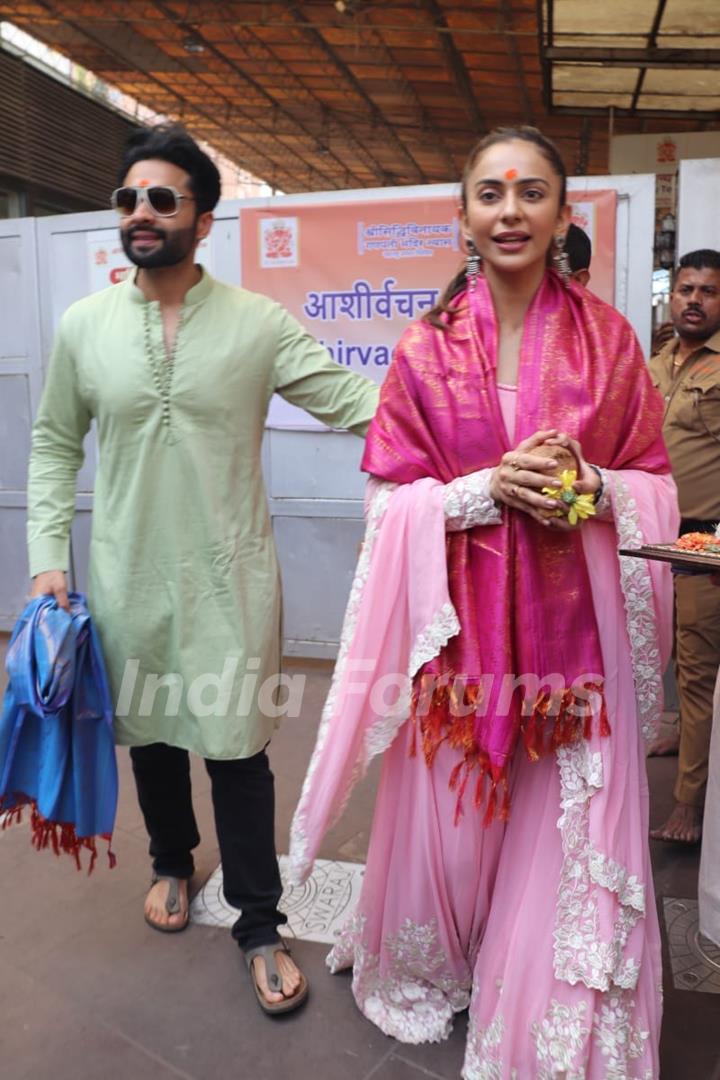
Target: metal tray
690,560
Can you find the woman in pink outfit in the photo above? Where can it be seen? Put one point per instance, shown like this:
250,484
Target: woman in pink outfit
507,661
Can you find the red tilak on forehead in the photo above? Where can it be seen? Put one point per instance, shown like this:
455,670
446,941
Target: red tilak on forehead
511,174
146,183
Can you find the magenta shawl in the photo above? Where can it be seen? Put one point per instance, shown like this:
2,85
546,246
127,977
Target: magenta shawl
521,592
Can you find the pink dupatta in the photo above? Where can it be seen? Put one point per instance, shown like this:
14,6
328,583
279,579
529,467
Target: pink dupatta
520,593
398,617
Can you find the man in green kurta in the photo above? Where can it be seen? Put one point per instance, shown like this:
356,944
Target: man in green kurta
177,370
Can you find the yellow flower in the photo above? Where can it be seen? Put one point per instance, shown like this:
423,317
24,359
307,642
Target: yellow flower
579,507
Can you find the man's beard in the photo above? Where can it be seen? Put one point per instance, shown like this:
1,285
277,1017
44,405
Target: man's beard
695,333
174,247
701,332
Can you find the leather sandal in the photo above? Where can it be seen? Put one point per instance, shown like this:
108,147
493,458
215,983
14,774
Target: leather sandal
172,905
274,980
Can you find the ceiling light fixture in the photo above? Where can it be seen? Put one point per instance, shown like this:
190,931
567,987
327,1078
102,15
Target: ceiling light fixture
193,45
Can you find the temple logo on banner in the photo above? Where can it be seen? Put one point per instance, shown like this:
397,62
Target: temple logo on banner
278,242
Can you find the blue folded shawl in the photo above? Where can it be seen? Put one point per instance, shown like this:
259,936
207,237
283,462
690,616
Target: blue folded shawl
57,751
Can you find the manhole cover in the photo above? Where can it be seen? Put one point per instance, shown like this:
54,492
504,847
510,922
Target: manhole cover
695,961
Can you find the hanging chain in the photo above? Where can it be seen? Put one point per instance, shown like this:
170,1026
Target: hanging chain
162,368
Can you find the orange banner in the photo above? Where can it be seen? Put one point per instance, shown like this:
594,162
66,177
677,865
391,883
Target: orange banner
357,273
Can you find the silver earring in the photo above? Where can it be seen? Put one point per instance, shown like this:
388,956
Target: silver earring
472,264
560,259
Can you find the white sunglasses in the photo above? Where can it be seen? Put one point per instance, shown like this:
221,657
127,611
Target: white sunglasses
163,201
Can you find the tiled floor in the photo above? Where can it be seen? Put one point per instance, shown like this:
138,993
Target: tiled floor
88,992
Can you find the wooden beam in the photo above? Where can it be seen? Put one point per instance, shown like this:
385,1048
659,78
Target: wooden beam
644,58
167,87
375,113
434,138
583,158
194,32
135,11
456,66
651,114
326,113
505,19
651,43
545,40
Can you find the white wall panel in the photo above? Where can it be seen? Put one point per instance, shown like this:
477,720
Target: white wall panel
20,385
12,326
317,559
15,427
315,465
80,548
698,220
14,585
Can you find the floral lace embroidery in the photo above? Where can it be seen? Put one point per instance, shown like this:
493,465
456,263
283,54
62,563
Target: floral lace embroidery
637,589
559,1041
619,1041
299,865
428,644
483,1060
611,875
562,1043
381,733
348,944
579,953
412,996
467,502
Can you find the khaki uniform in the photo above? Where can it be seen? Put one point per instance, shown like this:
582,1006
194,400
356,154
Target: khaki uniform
692,435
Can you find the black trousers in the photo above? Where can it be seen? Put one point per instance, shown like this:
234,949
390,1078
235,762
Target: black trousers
243,796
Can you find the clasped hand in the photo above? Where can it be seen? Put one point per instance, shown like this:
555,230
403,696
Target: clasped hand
520,477
52,583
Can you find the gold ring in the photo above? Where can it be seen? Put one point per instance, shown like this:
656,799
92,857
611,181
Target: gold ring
515,464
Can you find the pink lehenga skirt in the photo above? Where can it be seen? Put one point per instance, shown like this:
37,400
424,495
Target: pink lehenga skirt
545,927
452,916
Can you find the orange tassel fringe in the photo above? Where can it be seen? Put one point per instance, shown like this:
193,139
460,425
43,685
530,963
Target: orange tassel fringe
441,715
60,836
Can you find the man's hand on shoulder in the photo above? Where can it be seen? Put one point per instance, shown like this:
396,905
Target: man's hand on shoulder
51,583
